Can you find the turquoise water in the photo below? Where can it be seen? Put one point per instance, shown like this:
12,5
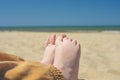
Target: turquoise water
60,28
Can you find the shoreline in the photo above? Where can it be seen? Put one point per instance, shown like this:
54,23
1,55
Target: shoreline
61,28
78,31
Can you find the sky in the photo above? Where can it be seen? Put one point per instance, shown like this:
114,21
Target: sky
59,12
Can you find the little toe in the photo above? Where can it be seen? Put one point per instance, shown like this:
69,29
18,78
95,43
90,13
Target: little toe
75,42
78,45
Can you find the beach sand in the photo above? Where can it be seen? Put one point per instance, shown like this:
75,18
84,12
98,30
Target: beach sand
100,51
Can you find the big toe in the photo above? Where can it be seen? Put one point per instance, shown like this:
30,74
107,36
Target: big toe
50,40
60,39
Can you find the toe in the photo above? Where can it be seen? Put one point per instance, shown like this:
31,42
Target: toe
63,35
75,42
78,45
64,39
52,39
60,39
70,39
47,41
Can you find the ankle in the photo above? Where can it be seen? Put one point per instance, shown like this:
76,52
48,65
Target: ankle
66,72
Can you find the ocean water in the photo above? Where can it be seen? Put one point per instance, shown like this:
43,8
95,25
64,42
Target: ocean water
60,28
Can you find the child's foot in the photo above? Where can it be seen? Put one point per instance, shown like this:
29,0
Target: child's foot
49,50
67,56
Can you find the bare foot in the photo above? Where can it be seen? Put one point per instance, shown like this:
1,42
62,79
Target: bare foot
67,56
49,50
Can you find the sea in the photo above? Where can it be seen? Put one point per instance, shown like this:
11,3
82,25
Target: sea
59,28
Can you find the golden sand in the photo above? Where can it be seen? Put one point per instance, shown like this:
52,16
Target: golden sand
100,59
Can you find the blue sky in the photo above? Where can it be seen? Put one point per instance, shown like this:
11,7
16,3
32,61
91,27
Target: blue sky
59,12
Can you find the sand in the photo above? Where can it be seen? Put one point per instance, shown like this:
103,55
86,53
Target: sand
100,58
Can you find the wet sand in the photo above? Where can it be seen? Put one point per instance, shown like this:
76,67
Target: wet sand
100,51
